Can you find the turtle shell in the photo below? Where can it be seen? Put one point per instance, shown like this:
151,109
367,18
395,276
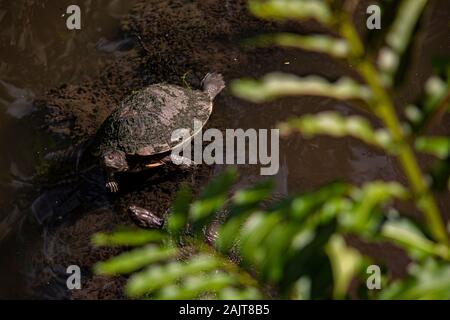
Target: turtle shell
143,122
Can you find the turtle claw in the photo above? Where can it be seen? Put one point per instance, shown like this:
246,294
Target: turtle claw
112,186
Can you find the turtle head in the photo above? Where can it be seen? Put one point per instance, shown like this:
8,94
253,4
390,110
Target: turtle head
114,160
213,84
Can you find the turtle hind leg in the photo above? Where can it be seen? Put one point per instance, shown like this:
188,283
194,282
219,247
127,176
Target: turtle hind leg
183,162
156,164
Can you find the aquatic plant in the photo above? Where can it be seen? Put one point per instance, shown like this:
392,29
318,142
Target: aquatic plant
298,248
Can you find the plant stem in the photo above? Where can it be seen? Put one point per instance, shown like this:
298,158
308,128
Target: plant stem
385,110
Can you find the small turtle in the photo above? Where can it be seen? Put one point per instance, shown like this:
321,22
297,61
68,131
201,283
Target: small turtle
138,132
148,220
144,218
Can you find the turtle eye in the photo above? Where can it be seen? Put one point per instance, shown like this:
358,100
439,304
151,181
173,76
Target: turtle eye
110,157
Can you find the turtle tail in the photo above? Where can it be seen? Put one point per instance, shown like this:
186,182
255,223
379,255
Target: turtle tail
213,84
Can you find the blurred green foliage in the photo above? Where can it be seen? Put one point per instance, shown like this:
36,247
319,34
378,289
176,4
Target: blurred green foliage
297,248
294,242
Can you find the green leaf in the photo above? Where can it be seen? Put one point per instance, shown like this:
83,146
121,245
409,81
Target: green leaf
301,206
291,9
277,245
302,289
228,233
178,216
364,217
213,196
308,258
345,262
134,260
333,124
331,209
399,37
128,237
377,192
428,281
334,47
436,89
277,84
239,294
258,226
408,236
437,146
244,202
402,29
435,102
254,195
191,287
158,276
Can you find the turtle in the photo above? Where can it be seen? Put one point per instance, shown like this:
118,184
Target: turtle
146,219
138,133
135,136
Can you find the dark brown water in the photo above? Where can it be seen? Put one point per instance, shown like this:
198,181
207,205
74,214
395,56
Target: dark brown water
37,53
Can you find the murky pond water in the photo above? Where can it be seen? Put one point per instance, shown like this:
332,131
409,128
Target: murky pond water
38,53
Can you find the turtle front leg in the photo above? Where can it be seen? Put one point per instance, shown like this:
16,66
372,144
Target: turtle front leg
111,183
114,161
